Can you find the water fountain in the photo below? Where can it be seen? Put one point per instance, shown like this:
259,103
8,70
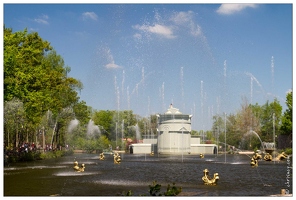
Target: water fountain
256,134
136,173
92,129
73,124
138,134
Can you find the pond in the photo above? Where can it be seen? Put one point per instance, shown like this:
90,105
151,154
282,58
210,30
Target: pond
56,177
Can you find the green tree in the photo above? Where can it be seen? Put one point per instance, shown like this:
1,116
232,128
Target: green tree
248,125
14,118
287,123
218,128
104,119
234,136
270,118
35,74
82,112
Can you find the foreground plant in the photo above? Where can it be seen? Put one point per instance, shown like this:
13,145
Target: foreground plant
155,190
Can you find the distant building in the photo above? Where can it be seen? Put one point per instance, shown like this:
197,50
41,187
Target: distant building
173,137
173,132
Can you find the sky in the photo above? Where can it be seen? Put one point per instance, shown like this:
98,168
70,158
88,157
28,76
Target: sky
205,59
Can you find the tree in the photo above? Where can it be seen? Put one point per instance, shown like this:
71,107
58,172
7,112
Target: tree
270,116
104,119
35,74
14,118
248,125
234,136
287,124
82,112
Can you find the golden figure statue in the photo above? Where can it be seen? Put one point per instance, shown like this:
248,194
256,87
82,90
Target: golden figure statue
267,157
77,168
201,155
152,153
117,158
210,181
254,162
282,156
102,157
257,156
254,159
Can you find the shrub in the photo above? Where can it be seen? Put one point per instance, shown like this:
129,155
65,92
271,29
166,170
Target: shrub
288,151
155,190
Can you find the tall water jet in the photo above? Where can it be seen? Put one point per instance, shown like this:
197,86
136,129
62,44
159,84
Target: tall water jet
122,84
256,134
162,96
225,90
138,134
122,133
92,129
128,98
182,94
72,125
225,67
272,73
148,106
202,105
251,90
118,105
143,76
182,87
225,134
253,78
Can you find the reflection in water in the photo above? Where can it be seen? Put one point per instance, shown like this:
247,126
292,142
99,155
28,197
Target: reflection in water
137,172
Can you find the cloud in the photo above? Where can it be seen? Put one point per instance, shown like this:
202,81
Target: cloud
89,15
157,29
42,20
169,27
231,8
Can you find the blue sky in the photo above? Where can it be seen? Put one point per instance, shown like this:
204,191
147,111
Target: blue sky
203,58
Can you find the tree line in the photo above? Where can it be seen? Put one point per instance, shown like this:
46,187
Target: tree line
253,124
41,101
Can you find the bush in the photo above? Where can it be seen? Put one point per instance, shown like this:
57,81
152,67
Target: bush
54,154
155,190
288,151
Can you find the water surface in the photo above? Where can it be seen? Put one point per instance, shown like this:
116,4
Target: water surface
137,172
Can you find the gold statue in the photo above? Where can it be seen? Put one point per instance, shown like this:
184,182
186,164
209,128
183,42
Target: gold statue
102,157
254,162
282,156
257,156
77,168
210,181
201,155
267,157
152,153
254,159
117,158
